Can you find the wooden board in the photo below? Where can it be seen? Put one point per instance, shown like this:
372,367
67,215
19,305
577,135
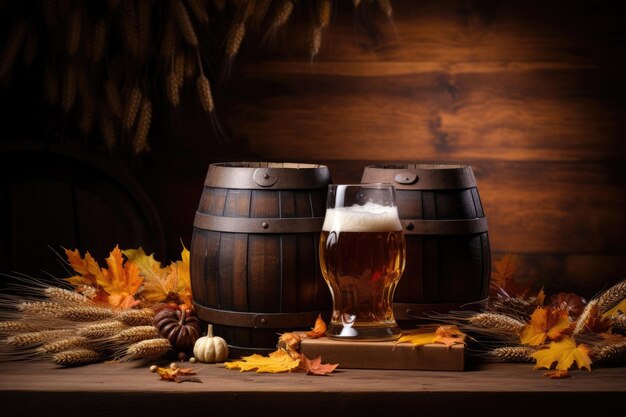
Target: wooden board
385,355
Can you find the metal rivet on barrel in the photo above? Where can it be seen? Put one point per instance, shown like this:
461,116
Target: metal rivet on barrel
263,321
265,225
409,226
266,176
406,178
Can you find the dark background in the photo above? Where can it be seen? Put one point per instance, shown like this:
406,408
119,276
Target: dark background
531,94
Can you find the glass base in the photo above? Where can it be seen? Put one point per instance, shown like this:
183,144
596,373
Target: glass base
364,332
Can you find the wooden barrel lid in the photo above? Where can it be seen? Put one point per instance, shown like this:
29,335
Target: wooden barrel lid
421,176
267,175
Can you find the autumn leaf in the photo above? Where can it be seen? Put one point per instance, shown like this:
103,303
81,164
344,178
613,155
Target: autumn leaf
447,335
177,374
315,366
319,330
545,323
159,282
87,269
502,274
540,299
564,353
290,342
121,280
278,361
558,374
184,277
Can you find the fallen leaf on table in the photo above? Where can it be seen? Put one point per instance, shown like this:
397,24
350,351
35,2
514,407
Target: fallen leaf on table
278,361
559,374
177,374
315,366
564,353
319,330
447,335
545,323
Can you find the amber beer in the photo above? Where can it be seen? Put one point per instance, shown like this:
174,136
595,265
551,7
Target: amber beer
362,254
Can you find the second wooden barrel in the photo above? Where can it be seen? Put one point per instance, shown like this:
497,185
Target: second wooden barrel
448,261
254,265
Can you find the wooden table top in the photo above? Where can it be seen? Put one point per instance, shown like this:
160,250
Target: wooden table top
40,388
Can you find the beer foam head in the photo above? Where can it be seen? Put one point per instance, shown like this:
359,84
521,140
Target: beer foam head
369,217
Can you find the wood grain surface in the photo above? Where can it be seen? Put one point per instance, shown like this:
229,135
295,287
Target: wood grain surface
35,389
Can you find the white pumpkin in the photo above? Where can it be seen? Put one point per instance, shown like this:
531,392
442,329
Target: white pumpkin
210,349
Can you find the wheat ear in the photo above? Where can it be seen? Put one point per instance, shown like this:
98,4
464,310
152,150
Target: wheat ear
137,334
611,297
146,349
620,321
142,317
85,313
179,68
99,41
172,89
18,326
144,18
133,102
37,338
184,22
496,321
39,308
514,354
199,11
316,41
204,92
168,41
260,11
76,357
102,330
235,38
324,13
61,295
582,320
67,343
282,16
140,141
611,353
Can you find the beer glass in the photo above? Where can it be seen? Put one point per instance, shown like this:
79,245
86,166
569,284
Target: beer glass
362,254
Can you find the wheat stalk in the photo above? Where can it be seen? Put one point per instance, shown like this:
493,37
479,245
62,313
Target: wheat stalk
612,353
74,26
37,338
68,95
582,320
76,357
142,317
282,16
18,326
99,41
145,349
113,98
184,22
12,48
199,11
133,101
57,294
137,334
514,353
172,89
39,308
496,321
85,313
140,141
204,93
611,297
234,40
60,345
324,13
102,330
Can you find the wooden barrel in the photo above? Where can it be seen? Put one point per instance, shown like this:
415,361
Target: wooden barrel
254,265
448,261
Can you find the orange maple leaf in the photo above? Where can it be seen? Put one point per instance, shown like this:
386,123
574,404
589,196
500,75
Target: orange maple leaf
87,268
318,330
315,366
449,335
121,281
564,353
545,323
502,275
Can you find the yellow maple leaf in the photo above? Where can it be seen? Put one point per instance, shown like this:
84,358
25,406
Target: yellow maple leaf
158,281
447,335
184,277
87,268
121,280
278,361
564,353
621,306
545,323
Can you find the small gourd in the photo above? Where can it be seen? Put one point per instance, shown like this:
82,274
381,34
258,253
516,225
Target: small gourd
210,349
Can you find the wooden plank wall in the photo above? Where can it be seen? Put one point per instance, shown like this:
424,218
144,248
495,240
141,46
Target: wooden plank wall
531,94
